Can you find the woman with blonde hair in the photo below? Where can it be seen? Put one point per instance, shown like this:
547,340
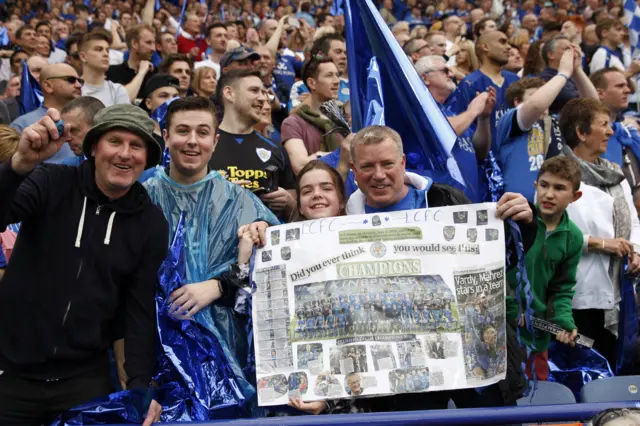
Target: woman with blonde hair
466,60
204,82
521,40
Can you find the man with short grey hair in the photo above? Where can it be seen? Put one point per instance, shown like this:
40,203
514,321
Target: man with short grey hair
471,147
79,114
416,48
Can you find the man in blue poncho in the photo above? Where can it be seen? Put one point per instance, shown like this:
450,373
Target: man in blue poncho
214,210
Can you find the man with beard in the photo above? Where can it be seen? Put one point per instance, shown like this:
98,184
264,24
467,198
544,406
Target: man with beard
492,49
134,73
243,154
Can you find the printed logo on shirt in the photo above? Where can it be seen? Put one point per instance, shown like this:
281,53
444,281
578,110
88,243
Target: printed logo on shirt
535,147
234,174
465,144
263,154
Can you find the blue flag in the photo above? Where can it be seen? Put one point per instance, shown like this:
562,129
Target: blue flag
158,6
427,136
184,8
30,97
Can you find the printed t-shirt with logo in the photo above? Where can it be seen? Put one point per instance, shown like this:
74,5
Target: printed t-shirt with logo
246,157
521,152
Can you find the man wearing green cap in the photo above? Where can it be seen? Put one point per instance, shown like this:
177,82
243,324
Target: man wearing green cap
90,246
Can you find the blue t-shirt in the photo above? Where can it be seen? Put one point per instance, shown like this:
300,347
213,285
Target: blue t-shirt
287,67
3,259
520,154
413,200
478,82
28,119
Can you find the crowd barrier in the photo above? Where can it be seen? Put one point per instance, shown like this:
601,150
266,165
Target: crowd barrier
580,412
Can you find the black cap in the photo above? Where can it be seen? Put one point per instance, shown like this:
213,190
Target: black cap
237,54
155,82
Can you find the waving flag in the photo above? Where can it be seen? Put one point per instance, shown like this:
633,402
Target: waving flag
30,97
632,13
184,7
405,105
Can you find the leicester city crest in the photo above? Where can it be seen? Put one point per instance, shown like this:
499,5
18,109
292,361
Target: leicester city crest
375,221
263,154
472,235
378,250
482,217
449,232
460,217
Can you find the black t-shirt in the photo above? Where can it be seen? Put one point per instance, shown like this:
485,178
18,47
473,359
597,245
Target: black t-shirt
246,157
123,74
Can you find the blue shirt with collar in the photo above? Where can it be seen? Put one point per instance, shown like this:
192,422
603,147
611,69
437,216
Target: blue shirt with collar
30,118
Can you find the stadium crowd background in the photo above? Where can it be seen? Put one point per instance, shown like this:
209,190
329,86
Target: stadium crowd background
520,82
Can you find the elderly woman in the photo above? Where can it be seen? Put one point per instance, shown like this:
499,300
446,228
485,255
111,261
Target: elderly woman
204,82
608,219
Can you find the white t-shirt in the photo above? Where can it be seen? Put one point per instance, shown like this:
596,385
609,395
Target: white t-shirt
208,63
116,57
109,93
603,59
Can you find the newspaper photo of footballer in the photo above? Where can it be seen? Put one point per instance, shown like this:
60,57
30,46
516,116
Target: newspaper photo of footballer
480,297
436,346
410,354
383,357
348,359
272,387
379,305
327,385
409,380
298,384
310,356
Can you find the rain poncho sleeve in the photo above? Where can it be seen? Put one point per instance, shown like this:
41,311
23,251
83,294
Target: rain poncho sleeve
213,210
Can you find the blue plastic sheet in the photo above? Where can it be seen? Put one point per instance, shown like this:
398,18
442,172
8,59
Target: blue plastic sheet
213,210
121,407
195,380
577,366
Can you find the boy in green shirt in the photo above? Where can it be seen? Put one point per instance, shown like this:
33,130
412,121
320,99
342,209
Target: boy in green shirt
551,262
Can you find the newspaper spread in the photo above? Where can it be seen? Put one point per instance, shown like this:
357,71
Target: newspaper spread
378,304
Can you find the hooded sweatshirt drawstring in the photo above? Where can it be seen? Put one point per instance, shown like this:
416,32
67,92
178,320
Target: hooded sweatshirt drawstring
81,224
107,237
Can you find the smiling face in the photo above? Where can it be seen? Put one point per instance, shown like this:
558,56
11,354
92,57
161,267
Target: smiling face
120,158
246,97
191,140
318,195
326,84
379,169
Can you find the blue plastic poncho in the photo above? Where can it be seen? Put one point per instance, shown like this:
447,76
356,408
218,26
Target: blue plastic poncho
213,210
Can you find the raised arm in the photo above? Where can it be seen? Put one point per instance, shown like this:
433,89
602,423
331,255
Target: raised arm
532,109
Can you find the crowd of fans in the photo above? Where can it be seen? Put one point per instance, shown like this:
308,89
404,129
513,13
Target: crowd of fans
229,96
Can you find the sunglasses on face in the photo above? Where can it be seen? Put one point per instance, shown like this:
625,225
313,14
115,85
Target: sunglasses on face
69,79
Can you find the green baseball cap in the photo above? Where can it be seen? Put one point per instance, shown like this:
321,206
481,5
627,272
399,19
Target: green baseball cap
127,117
